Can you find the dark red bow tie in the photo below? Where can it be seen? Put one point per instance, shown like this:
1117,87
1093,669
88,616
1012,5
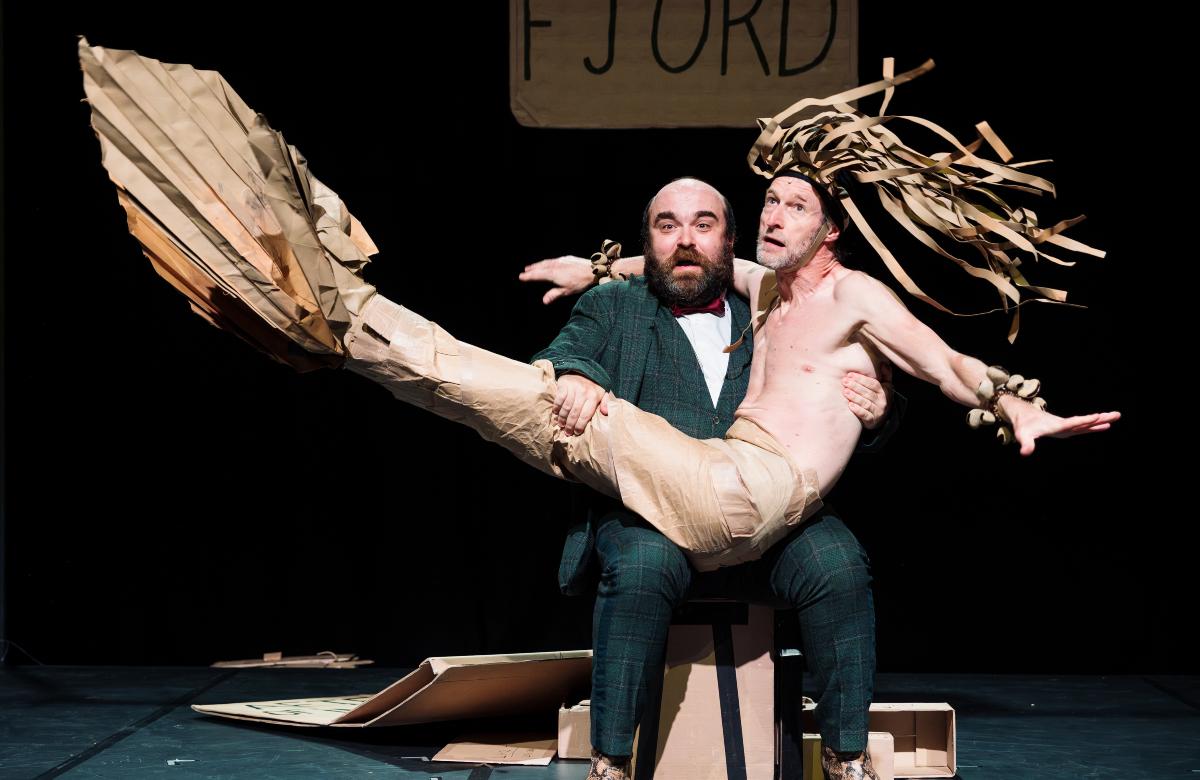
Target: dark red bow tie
715,306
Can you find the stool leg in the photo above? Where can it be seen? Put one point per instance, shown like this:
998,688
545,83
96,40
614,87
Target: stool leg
789,700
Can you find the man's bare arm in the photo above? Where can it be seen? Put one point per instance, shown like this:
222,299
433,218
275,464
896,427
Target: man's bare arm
571,275
916,349
747,277
911,345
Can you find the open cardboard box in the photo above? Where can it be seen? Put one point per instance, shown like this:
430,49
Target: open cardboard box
440,689
924,736
880,745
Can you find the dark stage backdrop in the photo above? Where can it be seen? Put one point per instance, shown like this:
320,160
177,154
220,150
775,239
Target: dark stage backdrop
175,498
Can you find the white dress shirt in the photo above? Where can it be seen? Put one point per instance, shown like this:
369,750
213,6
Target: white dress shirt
709,335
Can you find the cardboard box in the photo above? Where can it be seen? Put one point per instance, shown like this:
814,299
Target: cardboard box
575,731
880,745
445,688
717,713
924,736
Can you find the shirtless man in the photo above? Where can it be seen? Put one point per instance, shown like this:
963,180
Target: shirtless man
830,320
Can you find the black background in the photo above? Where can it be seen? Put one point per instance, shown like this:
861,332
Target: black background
172,497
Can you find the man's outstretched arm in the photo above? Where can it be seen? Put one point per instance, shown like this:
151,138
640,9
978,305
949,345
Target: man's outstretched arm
916,349
571,275
747,277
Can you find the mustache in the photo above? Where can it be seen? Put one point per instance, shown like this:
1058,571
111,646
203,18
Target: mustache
686,255
692,289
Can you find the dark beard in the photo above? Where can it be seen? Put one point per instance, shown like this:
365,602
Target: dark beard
713,281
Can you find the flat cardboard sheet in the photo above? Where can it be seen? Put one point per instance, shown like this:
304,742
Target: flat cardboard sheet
516,749
442,688
326,660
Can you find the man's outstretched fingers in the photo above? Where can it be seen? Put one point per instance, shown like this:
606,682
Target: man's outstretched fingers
569,275
1086,423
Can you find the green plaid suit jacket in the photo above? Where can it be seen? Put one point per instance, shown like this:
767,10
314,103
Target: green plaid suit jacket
623,339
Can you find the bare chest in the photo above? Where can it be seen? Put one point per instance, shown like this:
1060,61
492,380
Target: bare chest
813,338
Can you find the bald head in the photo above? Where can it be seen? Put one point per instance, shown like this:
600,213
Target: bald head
687,186
695,192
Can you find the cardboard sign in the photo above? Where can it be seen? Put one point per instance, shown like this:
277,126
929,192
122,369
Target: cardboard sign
676,63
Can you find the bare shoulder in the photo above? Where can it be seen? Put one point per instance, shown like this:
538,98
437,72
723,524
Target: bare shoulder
748,277
762,281
858,288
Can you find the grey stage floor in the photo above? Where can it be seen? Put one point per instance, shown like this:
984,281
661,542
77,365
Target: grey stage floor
119,722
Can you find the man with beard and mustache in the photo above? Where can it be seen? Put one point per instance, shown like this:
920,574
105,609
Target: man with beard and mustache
658,341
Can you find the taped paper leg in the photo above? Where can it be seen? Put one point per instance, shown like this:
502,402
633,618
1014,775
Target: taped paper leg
633,455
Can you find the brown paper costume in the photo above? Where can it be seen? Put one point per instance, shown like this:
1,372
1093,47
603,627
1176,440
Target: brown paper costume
225,210
733,500
953,195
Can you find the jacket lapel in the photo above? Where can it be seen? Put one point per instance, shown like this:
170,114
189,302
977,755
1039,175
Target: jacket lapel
638,310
